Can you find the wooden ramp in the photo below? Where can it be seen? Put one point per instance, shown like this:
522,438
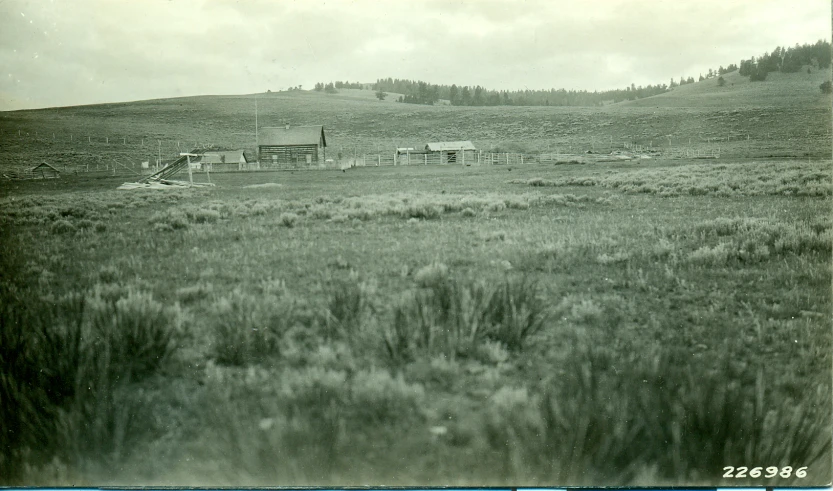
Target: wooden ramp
168,171
162,178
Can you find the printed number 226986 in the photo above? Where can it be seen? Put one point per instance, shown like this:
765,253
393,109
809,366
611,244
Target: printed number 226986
769,472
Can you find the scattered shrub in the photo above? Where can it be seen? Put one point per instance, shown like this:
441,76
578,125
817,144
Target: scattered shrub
66,365
109,274
754,179
445,318
379,398
713,256
514,312
348,309
453,318
421,210
170,219
496,206
616,257
248,329
64,227
138,331
431,275
288,220
202,215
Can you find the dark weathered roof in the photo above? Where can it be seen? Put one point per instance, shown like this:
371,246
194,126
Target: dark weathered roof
294,135
461,145
231,157
44,164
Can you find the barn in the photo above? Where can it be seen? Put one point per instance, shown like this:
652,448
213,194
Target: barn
451,152
292,147
44,171
224,161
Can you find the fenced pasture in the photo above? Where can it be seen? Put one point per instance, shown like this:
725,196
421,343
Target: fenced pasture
743,120
573,324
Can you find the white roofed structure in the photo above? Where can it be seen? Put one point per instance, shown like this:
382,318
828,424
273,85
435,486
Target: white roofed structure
449,146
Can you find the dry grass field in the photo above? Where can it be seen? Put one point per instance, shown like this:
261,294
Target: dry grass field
785,117
643,323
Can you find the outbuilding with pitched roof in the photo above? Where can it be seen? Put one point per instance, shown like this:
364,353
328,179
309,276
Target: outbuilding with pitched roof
44,171
451,152
228,160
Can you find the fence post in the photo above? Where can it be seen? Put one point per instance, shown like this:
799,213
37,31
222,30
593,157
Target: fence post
425,155
464,158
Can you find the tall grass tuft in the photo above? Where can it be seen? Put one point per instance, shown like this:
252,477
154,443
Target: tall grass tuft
67,363
248,329
514,312
139,332
453,318
653,415
444,318
348,310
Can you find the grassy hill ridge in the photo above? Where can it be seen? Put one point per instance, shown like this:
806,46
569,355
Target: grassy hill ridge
785,116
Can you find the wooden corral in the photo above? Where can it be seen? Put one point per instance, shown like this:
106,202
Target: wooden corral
44,171
292,147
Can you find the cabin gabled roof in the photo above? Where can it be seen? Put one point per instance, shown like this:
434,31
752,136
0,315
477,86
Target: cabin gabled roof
294,135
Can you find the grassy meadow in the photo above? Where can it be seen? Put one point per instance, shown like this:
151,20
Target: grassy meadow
785,117
611,324
642,323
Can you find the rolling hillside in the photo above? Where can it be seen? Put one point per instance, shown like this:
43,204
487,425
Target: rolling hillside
779,89
786,116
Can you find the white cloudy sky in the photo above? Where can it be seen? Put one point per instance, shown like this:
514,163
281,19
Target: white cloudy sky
67,52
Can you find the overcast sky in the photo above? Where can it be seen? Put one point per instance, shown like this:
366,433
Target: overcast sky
68,52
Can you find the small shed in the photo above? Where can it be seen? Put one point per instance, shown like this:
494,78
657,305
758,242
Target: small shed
292,147
451,152
45,171
224,161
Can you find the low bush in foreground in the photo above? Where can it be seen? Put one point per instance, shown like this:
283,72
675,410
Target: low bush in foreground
249,328
454,318
65,362
651,420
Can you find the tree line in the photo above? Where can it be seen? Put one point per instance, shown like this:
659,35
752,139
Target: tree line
420,92
787,60
332,87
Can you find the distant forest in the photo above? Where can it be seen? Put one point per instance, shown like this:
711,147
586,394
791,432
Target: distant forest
783,59
787,60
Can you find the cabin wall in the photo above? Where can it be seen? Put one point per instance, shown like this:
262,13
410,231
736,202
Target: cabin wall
290,156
